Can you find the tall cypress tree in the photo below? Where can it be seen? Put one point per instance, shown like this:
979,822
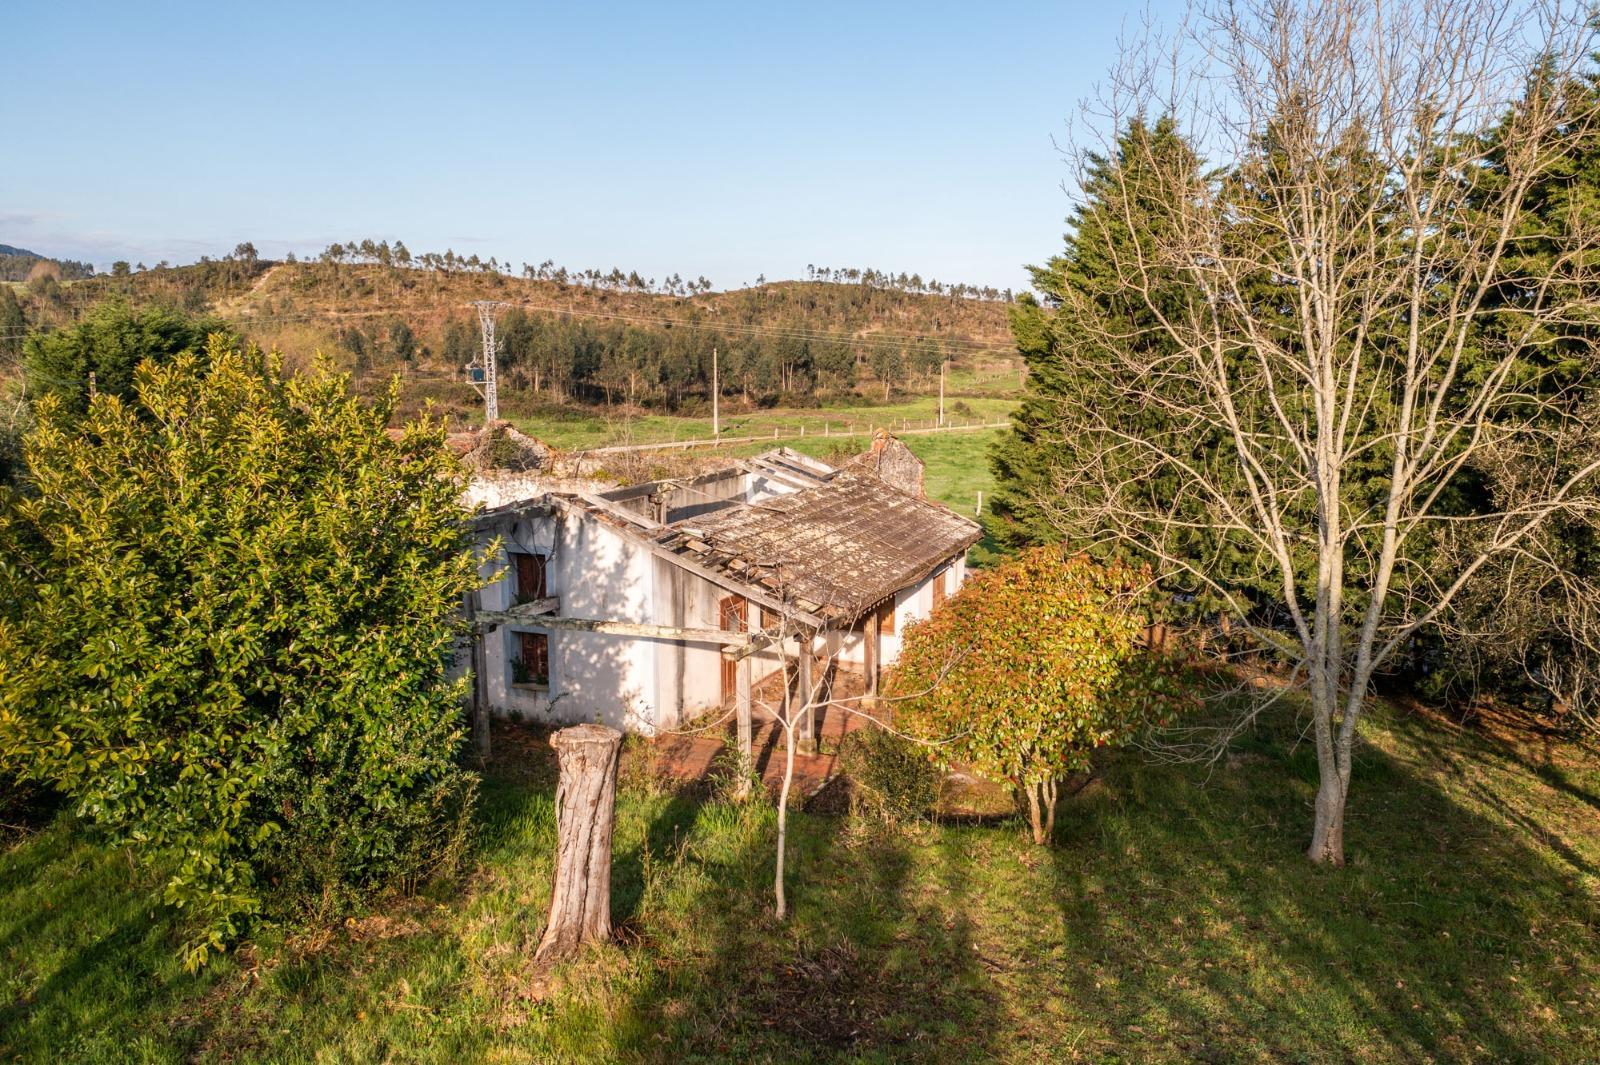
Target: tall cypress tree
13,324
1506,630
1111,222
1035,460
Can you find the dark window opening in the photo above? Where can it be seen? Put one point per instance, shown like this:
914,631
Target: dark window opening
531,581
533,658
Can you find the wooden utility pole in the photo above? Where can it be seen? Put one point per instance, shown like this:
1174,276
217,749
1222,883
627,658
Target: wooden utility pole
716,395
941,392
586,797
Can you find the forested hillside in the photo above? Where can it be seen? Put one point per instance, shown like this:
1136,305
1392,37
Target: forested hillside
573,337
19,264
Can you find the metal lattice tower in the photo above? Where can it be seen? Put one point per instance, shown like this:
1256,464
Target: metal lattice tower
490,389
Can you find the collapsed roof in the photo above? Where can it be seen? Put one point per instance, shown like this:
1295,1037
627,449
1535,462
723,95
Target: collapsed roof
833,543
500,446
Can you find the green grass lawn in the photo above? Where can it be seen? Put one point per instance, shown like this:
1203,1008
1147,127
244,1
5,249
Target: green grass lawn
957,464
578,428
1174,920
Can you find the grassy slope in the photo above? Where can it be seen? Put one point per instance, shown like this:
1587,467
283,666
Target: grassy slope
579,428
1175,920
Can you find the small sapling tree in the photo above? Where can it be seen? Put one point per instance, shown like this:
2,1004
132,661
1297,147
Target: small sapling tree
1030,668
235,601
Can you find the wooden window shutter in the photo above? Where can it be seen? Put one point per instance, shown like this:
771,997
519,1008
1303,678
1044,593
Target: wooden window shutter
886,619
535,654
732,614
938,589
531,583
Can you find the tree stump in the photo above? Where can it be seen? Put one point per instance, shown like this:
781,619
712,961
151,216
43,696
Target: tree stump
580,905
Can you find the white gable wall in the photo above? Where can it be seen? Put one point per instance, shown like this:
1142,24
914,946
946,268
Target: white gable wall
633,683
597,573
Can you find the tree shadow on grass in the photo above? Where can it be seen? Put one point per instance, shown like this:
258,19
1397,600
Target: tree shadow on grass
88,957
867,967
1453,934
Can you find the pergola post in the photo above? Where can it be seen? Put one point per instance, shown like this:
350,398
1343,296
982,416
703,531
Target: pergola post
806,730
742,710
872,654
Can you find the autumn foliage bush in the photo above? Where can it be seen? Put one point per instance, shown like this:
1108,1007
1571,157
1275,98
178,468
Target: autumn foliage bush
230,606
1033,666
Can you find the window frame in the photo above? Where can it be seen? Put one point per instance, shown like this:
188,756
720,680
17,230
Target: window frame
540,640
522,559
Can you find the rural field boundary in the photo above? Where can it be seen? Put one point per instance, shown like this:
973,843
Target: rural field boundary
848,429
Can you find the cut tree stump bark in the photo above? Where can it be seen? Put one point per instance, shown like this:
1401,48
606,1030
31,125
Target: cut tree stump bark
580,905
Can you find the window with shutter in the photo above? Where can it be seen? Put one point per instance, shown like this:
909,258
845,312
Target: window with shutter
533,657
531,583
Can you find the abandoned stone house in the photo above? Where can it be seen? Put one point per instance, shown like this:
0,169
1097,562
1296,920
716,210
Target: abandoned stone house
643,607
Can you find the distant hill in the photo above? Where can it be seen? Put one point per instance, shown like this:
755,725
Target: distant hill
16,264
593,340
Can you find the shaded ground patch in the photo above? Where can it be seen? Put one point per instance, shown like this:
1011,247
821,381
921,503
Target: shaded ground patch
1175,920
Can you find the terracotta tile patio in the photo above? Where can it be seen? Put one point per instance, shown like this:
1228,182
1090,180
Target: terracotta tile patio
690,757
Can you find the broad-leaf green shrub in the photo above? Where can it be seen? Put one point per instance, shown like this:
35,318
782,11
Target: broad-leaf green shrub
895,779
107,347
237,609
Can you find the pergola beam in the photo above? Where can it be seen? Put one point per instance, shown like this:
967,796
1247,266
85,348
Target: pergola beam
521,614
720,637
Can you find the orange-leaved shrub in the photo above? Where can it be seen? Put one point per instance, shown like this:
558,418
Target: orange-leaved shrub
1031,667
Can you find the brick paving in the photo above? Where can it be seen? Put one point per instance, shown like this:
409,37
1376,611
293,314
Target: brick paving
690,757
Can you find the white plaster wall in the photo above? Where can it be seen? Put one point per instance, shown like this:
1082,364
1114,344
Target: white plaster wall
916,603
597,573
688,675
496,488
758,487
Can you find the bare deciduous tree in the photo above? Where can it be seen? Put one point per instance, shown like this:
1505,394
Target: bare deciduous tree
1340,327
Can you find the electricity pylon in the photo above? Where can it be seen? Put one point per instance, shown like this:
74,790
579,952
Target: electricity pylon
490,385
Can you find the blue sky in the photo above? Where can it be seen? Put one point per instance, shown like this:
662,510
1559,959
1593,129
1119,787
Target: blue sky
728,140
